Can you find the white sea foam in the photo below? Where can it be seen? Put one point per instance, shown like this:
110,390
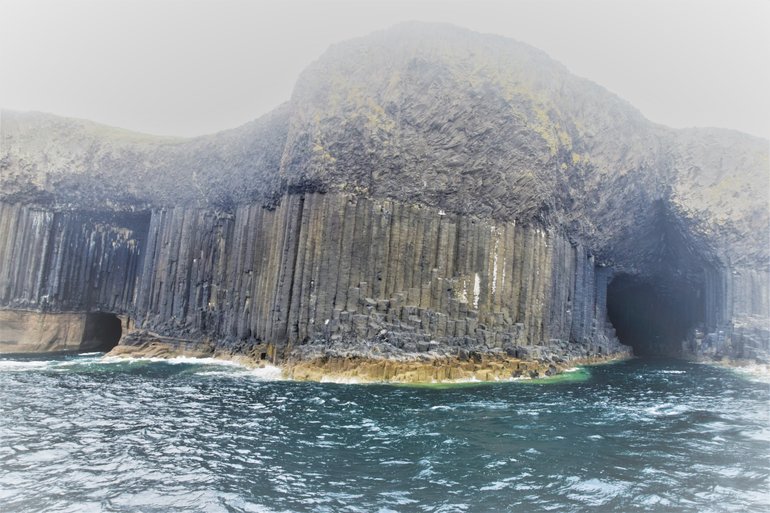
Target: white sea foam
398,497
497,485
472,379
266,373
340,380
759,373
52,365
215,373
17,365
177,360
596,492
666,410
228,367
94,359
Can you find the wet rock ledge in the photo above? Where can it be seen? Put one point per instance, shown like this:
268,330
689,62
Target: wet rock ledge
364,362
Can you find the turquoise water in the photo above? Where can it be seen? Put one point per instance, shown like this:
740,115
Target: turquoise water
81,434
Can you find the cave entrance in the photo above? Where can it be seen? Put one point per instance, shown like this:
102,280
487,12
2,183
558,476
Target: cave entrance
653,316
102,332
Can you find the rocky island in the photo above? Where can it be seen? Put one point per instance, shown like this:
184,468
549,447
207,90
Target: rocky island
431,204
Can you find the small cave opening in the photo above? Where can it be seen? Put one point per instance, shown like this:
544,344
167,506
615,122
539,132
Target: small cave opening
102,332
653,316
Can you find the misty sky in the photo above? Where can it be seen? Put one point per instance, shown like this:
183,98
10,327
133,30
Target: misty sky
187,67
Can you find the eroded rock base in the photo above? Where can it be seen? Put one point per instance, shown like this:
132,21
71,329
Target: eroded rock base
363,365
745,341
428,369
35,332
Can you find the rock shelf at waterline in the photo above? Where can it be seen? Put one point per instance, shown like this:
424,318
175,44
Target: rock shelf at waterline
345,365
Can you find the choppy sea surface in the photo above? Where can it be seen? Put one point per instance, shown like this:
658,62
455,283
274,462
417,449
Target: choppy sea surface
89,434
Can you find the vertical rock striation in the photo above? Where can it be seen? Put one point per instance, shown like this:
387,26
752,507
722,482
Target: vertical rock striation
69,261
318,269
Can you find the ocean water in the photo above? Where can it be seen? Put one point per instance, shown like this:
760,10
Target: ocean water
89,434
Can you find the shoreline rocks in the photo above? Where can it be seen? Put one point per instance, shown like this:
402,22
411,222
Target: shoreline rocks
364,365
418,369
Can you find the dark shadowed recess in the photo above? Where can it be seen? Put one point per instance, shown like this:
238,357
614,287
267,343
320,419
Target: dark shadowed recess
102,332
654,307
653,317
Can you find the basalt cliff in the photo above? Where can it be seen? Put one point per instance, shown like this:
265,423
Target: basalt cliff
431,203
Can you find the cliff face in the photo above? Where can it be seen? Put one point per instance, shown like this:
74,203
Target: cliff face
69,261
344,269
426,189
71,164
